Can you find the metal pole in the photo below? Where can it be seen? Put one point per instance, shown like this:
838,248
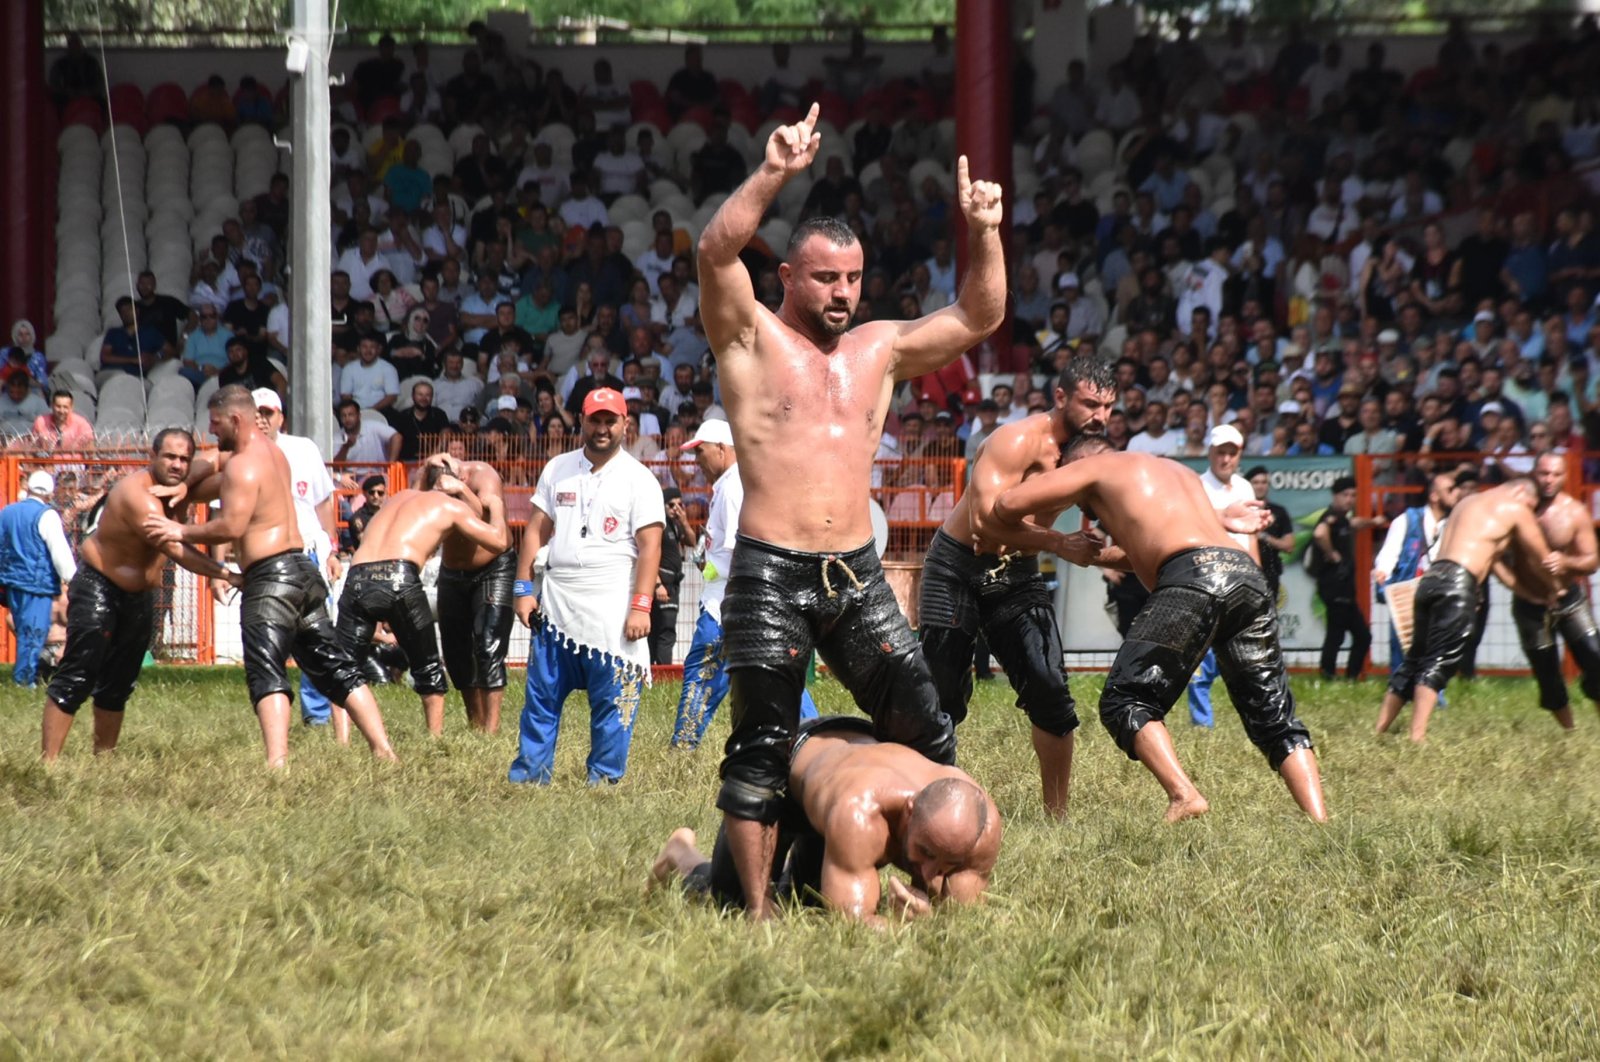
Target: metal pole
310,257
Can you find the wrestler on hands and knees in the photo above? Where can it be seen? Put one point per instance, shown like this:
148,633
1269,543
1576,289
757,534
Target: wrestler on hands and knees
806,396
284,611
1573,557
1205,592
966,590
384,584
1481,527
853,806
476,581
111,601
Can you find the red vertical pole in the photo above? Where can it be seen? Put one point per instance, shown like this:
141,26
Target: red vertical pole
1364,551
24,225
983,115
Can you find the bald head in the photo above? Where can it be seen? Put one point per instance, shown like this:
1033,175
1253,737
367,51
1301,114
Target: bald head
949,818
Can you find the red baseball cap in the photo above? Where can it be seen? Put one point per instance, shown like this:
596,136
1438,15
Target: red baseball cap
971,396
604,400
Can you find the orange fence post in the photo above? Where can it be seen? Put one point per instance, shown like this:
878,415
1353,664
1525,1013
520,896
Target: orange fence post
10,483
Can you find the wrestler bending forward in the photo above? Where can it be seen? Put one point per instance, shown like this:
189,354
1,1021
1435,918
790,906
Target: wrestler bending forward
1206,593
384,584
853,806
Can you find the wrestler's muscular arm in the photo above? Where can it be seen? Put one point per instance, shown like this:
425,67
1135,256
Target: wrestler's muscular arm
929,343
1528,536
1581,557
856,835
728,307
1005,459
487,532
240,489
1056,489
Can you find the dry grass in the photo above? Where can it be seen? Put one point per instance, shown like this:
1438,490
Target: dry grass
179,901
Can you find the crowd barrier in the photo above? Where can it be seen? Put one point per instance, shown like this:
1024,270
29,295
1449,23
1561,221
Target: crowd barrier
915,496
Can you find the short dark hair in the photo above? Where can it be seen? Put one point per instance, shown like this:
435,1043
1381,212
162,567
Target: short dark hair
1089,445
62,394
374,481
234,396
161,437
836,231
1258,470
126,300
1090,369
1344,483
340,406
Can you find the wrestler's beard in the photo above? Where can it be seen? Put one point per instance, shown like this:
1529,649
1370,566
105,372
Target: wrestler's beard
828,327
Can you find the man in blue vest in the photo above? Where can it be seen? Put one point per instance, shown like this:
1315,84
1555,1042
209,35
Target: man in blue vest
35,560
1410,545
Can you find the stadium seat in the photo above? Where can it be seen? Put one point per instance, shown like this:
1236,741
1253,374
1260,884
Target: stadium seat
167,102
375,416
84,111
404,401
128,106
626,208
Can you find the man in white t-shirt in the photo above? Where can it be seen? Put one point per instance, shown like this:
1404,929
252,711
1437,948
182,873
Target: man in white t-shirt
311,488
371,382
371,444
620,171
1156,438
582,208
705,673
656,262
1224,486
601,512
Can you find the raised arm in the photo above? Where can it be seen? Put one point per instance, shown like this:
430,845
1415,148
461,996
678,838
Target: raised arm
728,307
931,342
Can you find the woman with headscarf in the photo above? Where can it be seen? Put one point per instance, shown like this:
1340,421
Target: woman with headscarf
412,350
25,353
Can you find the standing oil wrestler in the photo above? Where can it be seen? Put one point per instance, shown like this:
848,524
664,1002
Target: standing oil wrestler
807,396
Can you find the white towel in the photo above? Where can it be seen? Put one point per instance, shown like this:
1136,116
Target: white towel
587,608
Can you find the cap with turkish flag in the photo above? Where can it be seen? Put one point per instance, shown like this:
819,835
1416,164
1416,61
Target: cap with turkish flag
604,400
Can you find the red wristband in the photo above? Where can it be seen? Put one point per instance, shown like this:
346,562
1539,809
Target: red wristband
642,602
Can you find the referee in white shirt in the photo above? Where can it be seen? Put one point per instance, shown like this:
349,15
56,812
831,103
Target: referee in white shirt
1224,486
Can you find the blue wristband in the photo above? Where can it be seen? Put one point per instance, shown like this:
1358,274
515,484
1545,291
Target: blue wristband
522,588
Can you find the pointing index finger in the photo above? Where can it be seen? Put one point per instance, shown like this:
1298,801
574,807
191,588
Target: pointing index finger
963,179
809,122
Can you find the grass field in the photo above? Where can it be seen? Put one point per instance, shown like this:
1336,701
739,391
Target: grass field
177,900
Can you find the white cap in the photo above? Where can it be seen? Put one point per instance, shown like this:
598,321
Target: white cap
267,398
1488,407
1388,335
1225,435
710,431
42,483
1067,280
632,394
506,402
1288,406
1483,317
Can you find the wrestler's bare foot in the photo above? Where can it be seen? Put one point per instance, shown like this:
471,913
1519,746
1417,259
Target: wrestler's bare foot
1186,807
680,847
1564,717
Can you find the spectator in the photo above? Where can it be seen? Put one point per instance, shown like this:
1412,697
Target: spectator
211,103
1156,438
411,350
363,440
717,166
691,86
133,348
380,75
20,406
408,184
25,352
76,74
606,99
250,368
421,425
369,381
620,171
1334,543
362,261
582,210
1277,538
35,562
246,316
61,428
